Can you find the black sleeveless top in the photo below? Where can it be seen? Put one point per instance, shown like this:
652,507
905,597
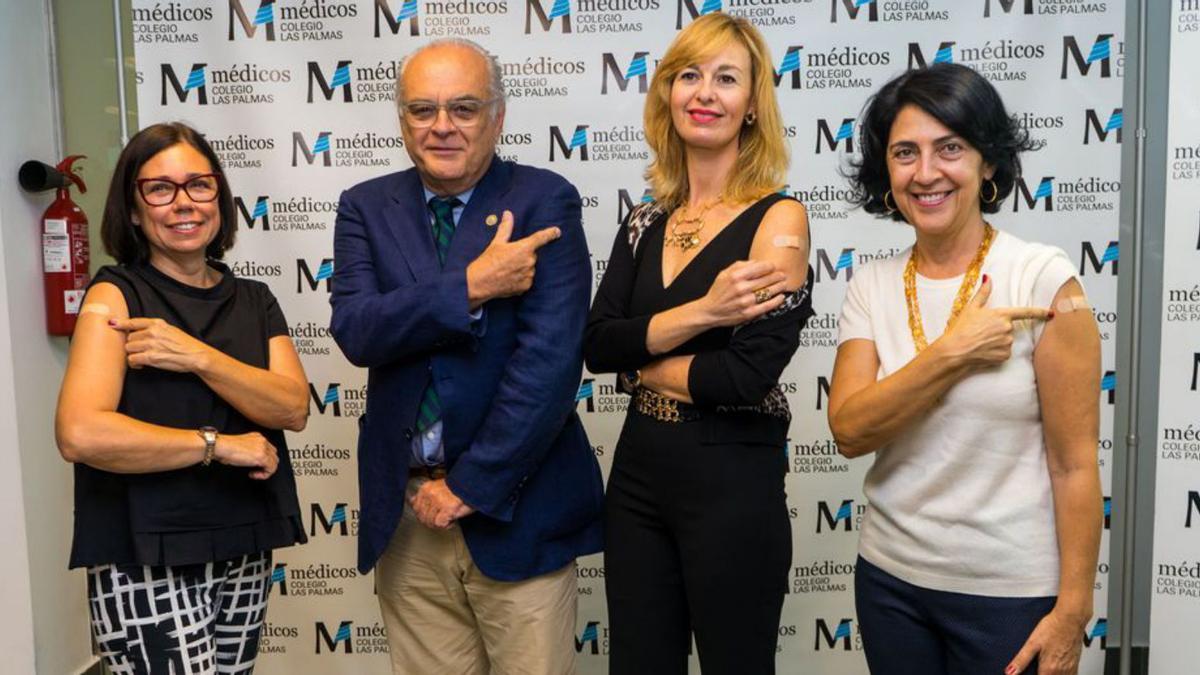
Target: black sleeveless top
196,514
693,281
732,367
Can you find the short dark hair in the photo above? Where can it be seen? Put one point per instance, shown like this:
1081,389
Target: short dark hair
959,98
122,239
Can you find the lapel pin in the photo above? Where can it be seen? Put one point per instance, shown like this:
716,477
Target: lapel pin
491,220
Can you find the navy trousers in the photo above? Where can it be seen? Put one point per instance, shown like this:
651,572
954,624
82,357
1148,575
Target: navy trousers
909,630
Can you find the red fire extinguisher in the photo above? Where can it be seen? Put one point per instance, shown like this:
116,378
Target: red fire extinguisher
65,255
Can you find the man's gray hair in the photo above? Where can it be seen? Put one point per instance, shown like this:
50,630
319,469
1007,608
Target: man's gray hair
495,77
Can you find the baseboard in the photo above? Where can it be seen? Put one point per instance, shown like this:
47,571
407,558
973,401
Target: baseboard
1140,664
96,668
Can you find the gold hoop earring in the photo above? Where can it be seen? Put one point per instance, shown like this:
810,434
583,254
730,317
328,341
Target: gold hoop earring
890,207
995,192
751,118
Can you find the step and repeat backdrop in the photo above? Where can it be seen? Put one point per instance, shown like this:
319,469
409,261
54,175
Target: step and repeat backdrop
1175,603
296,97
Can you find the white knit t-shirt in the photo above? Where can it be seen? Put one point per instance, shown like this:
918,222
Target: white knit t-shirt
961,500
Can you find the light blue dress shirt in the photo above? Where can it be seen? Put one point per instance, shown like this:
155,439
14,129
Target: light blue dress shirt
427,448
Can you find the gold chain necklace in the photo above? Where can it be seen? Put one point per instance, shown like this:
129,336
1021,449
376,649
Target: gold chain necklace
964,290
689,239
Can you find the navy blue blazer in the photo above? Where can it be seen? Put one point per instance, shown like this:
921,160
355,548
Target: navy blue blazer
515,448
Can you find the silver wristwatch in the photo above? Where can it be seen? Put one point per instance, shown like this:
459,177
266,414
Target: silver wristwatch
209,434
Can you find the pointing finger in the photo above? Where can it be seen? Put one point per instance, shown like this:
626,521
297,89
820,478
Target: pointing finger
542,237
139,323
1039,313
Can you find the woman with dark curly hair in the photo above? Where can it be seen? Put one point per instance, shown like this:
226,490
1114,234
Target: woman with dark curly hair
969,365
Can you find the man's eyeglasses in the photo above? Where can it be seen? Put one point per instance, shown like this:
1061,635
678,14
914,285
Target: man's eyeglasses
163,191
463,112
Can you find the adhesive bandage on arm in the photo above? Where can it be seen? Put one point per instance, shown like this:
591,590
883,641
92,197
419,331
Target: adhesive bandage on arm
95,308
786,241
1072,303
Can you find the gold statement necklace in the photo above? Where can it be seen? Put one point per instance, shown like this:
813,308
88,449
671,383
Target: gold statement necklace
964,290
689,239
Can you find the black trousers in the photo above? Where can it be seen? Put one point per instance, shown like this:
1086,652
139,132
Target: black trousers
698,540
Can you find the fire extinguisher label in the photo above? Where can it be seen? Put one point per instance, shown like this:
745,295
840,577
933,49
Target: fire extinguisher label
71,300
56,252
56,225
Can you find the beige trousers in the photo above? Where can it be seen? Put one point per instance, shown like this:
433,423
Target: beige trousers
445,617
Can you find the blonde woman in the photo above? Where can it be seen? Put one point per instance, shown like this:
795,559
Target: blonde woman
699,311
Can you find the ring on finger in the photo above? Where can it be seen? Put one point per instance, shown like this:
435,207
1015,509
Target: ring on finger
762,295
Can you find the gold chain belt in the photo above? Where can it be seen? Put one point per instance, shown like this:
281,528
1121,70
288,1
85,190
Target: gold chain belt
663,408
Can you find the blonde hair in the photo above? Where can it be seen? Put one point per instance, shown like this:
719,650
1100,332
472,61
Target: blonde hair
762,155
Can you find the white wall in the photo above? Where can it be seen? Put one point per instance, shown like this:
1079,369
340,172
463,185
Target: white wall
566,83
43,619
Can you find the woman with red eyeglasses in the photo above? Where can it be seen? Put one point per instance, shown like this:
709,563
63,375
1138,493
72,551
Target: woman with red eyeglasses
180,380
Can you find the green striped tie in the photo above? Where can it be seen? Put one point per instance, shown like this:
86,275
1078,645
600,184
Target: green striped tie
443,232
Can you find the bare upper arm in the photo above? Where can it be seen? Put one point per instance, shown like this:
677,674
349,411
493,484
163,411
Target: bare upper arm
855,368
96,361
782,238
1066,363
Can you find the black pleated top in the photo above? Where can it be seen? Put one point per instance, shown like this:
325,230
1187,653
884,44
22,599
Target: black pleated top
196,514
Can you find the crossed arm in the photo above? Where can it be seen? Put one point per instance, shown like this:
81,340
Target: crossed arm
616,342
865,414
89,430
374,327
731,301
536,392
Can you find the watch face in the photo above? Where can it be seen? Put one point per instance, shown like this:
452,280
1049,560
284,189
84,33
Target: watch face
631,380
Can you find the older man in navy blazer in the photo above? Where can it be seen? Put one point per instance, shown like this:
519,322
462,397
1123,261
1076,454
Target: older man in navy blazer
463,285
